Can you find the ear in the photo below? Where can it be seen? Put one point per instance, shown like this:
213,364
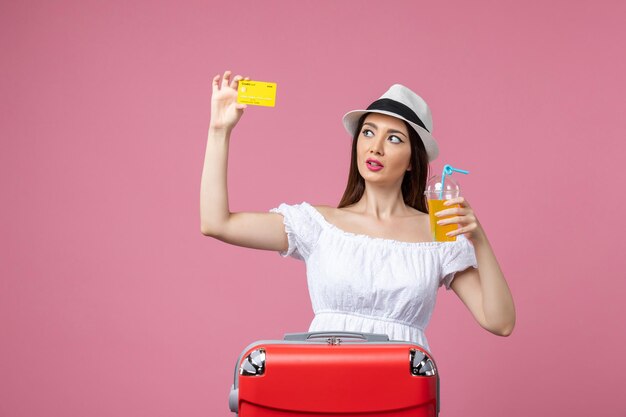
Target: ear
409,168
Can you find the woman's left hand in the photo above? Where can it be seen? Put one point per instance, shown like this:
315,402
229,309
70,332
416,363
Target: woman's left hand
468,224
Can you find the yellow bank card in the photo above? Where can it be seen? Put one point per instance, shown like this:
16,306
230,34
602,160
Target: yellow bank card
257,93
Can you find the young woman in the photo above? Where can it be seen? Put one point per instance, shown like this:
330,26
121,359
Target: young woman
372,265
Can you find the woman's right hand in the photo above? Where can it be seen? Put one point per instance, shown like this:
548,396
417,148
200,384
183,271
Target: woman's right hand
225,111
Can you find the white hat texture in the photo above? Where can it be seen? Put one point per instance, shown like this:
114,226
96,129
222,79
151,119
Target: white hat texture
402,103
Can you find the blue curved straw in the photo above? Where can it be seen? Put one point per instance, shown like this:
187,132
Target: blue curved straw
448,170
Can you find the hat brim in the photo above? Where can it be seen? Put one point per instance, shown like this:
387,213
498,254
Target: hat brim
351,119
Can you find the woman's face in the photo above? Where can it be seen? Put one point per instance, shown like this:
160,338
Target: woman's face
386,140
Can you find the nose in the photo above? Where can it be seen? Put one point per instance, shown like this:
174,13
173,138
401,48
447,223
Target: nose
377,145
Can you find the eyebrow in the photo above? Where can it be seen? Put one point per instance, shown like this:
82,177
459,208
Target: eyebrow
390,130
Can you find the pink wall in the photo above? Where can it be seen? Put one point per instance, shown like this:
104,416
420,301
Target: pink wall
113,304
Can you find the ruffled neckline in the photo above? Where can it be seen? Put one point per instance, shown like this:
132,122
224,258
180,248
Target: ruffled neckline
331,226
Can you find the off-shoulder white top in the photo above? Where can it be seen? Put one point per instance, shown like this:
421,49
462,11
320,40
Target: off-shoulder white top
366,284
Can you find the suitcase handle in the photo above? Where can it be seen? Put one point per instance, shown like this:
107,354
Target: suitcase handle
368,337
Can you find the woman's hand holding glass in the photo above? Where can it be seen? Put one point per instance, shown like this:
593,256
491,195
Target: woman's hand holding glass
465,218
225,110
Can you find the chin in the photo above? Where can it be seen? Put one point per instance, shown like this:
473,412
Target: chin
373,177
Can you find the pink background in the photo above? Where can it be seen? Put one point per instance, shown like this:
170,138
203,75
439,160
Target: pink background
112,303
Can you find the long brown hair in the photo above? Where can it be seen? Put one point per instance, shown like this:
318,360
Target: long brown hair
413,183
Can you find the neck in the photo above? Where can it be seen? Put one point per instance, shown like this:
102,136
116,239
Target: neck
382,202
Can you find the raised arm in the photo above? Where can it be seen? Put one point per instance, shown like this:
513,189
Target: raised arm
252,230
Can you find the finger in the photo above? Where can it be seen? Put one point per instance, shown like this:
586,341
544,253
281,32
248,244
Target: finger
226,78
457,200
216,83
462,230
235,83
458,231
457,220
451,211
241,106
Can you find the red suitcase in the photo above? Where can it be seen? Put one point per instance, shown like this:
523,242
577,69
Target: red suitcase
332,374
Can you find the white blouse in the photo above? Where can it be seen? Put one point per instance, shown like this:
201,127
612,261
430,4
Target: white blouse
365,284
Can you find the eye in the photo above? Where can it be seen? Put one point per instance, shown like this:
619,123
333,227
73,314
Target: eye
364,132
394,136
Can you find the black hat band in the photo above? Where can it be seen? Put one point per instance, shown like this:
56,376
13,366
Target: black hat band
400,109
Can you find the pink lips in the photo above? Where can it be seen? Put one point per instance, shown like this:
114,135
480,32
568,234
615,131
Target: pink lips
373,167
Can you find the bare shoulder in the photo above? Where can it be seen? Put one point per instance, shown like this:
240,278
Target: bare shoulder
324,209
334,215
327,211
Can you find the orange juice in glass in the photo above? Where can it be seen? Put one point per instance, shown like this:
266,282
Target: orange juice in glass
436,196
